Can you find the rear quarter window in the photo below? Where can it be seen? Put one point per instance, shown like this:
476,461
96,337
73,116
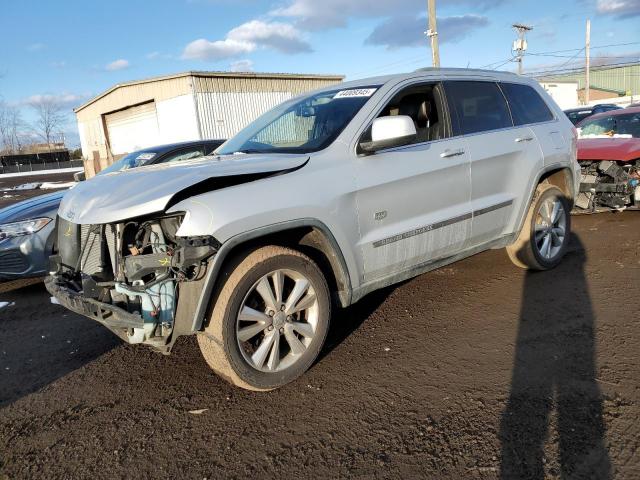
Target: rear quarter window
479,106
526,104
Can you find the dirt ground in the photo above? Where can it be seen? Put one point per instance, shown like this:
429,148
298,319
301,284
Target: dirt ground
476,371
7,196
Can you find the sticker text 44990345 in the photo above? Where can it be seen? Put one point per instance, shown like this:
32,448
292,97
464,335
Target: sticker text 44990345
355,92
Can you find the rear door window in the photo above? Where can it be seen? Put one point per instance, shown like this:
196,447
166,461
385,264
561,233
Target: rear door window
526,104
479,106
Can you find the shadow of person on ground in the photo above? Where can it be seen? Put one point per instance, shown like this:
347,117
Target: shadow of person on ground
41,342
555,372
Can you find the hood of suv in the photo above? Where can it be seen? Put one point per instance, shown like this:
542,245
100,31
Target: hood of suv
136,192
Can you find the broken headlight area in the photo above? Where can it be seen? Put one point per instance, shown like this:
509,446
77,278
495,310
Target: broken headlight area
135,267
607,185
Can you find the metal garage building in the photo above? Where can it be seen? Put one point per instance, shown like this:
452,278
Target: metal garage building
185,106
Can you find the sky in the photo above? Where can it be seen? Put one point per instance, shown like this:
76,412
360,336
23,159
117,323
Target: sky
72,50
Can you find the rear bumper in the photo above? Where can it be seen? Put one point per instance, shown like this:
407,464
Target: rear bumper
109,315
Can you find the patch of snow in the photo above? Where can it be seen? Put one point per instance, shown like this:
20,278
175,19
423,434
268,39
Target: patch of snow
25,186
7,304
55,301
52,185
43,172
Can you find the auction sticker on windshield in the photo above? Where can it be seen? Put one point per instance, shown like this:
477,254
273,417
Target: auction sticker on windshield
355,92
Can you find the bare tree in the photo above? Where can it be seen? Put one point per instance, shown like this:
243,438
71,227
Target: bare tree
51,116
11,128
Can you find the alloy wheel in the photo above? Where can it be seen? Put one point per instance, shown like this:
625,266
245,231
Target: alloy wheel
277,320
550,228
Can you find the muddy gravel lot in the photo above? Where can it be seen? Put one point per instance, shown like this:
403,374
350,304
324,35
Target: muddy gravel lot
478,370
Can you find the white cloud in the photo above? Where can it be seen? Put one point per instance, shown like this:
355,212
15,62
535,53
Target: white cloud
203,49
119,64
246,38
241,66
61,64
320,15
153,55
620,8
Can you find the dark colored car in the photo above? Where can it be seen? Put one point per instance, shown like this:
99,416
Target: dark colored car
576,115
27,227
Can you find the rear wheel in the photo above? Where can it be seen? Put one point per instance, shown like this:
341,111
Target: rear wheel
269,320
545,234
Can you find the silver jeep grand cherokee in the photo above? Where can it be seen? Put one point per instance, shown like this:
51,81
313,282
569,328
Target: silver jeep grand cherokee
320,201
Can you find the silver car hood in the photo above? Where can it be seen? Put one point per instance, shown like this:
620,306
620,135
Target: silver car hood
141,191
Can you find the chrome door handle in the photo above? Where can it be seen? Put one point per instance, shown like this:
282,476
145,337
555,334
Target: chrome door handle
523,139
452,153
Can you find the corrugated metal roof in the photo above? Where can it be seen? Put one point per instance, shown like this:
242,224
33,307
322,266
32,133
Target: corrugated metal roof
204,74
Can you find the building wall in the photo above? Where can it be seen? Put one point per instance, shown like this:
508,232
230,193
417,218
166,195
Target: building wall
126,95
177,119
226,104
565,94
624,78
190,106
223,114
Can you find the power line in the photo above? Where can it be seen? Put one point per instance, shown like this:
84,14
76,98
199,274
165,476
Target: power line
597,46
383,67
633,55
411,60
556,71
504,63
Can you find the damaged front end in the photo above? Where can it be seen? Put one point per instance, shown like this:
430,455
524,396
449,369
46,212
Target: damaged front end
130,275
608,185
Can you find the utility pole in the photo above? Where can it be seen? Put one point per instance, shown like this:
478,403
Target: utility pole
432,33
587,57
520,44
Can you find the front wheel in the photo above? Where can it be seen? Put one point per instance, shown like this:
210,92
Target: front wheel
269,320
544,237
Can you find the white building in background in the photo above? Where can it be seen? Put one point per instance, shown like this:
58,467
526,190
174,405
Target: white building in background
565,93
181,107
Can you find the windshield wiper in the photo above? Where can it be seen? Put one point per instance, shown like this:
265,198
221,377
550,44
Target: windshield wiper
251,150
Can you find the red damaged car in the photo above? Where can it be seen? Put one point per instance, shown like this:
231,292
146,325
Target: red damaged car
609,154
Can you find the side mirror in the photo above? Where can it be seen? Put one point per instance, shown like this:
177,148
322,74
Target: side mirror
79,176
387,132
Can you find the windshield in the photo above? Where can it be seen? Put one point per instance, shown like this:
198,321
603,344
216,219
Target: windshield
620,126
301,125
135,159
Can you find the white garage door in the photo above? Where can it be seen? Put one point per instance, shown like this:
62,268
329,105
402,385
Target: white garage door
133,128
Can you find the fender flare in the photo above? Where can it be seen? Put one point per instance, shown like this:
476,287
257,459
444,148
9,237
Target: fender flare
532,190
215,264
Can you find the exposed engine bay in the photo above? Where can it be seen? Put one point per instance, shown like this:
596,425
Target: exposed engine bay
608,185
130,273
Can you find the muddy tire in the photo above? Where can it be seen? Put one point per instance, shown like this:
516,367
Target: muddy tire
544,237
269,321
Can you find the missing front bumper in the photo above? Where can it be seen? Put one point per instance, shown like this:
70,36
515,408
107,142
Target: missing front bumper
109,315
